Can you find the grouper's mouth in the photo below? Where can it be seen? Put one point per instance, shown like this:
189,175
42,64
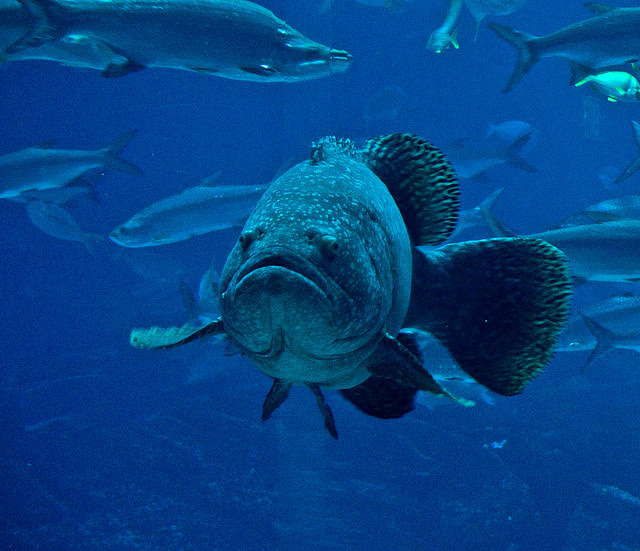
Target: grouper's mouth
285,260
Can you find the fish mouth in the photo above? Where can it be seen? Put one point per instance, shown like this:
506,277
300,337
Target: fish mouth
281,258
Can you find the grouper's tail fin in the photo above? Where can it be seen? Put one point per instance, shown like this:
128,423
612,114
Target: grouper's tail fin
522,43
421,181
498,305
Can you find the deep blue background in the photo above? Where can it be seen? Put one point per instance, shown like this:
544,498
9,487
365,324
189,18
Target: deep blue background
106,447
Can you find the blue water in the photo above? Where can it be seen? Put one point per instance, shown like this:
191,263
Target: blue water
109,448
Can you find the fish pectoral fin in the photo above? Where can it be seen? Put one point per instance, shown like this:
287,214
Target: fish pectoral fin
275,397
397,374
329,422
260,70
114,70
579,73
160,337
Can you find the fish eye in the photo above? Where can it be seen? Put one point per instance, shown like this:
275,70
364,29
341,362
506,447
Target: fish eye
329,246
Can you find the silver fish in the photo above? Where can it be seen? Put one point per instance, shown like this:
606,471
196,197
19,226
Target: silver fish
234,39
610,38
323,277
609,251
472,218
42,168
603,326
619,208
53,220
471,158
195,211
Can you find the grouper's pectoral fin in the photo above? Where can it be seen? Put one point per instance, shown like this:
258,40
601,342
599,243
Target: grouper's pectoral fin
397,374
161,337
329,422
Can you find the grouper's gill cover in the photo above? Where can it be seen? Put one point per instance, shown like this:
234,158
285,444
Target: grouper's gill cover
321,269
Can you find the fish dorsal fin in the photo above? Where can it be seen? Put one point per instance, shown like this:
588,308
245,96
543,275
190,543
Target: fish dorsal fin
598,8
421,181
211,180
47,144
329,145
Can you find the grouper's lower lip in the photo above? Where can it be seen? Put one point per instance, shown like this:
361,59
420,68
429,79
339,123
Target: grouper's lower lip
285,261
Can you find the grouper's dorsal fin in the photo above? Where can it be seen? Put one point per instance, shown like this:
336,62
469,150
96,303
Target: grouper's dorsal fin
599,8
421,181
329,145
160,337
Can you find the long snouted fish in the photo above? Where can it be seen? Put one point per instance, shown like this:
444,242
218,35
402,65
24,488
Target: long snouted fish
42,168
325,274
229,38
610,38
195,211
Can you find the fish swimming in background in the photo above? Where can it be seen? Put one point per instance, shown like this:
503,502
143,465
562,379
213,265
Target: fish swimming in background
615,85
325,274
603,326
53,220
471,158
233,39
481,8
472,218
71,50
609,251
634,165
44,168
195,211
611,37
618,208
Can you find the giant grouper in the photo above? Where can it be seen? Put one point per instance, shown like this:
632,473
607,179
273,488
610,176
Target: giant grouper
327,271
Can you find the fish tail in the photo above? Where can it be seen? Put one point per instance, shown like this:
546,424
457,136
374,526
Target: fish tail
513,154
498,305
113,160
604,340
522,43
46,15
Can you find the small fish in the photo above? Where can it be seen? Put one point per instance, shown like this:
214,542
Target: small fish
611,37
53,220
195,211
472,218
43,168
603,326
481,8
510,131
634,165
471,158
446,34
325,274
233,39
615,85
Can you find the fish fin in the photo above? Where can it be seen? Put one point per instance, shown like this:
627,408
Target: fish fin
421,181
513,154
275,397
604,339
397,374
44,29
498,228
634,165
159,337
598,8
118,163
579,73
47,144
188,301
260,70
211,180
527,56
114,70
498,305
323,406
